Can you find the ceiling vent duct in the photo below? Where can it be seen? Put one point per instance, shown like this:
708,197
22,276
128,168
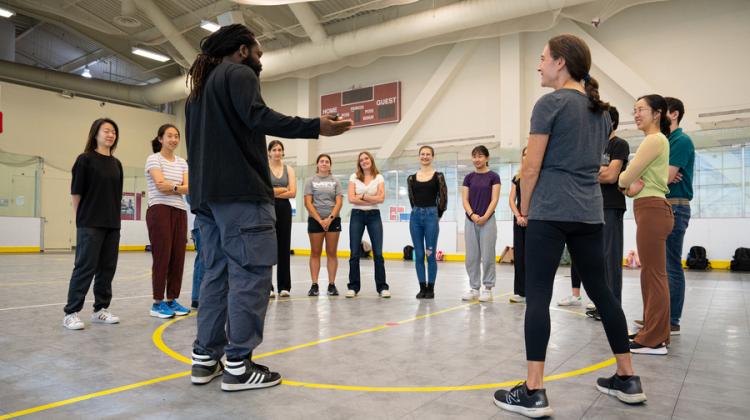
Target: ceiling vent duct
127,16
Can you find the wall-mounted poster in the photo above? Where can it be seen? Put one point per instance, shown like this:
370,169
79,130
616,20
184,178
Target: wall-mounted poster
130,207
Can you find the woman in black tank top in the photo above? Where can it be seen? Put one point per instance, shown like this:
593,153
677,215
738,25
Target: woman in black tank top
519,238
428,197
284,188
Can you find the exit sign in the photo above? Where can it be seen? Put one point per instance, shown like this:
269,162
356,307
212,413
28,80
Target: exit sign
370,105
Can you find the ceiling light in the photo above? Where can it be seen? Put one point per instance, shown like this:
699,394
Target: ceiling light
150,54
6,13
210,26
86,73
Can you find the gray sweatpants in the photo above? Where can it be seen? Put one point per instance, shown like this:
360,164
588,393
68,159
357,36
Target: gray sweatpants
480,252
238,249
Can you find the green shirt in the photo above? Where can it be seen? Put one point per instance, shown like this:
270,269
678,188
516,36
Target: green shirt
681,155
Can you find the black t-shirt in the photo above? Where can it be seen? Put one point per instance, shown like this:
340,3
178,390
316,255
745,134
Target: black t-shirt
98,180
225,130
617,149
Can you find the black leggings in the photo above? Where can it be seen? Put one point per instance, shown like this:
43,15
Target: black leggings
519,262
283,242
544,242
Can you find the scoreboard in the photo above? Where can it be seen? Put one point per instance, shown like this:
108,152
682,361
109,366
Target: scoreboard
371,105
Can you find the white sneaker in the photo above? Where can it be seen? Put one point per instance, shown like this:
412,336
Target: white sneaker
385,293
73,322
350,293
272,294
486,295
590,306
471,294
103,316
284,293
570,301
517,299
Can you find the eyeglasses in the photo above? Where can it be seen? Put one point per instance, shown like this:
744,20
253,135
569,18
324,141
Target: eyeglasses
640,110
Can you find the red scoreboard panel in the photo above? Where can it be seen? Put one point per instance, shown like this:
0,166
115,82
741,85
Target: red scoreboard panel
371,105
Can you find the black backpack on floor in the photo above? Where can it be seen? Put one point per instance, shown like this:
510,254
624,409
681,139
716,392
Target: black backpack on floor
696,259
408,249
741,260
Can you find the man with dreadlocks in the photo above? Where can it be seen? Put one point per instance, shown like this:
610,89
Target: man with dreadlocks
232,197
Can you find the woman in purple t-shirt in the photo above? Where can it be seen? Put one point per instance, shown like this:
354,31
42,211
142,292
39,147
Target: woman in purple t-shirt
480,192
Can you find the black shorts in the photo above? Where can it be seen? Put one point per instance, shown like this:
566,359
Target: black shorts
314,227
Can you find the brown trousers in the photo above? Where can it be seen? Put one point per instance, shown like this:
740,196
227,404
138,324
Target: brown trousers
654,218
167,231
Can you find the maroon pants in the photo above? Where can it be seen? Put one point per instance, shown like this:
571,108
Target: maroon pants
167,231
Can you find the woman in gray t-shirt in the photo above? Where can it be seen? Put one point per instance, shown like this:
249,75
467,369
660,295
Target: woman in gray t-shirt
323,199
562,201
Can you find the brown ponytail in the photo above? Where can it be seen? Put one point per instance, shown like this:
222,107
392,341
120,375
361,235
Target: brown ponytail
578,62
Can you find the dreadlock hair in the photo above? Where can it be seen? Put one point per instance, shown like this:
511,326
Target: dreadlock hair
214,48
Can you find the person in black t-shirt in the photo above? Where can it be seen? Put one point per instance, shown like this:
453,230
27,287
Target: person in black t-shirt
232,196
97,195
614,161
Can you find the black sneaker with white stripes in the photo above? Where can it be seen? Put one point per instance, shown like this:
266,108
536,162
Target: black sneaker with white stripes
520,400
627,390
245,374
205,369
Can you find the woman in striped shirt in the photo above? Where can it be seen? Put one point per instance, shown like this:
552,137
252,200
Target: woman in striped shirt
166,218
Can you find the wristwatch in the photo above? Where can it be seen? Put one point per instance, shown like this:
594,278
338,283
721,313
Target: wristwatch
174,188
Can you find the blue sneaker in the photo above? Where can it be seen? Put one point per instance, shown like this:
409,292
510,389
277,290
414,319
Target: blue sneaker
178,309
161,310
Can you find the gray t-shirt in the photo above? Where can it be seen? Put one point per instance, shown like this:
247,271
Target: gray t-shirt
324,191
568,186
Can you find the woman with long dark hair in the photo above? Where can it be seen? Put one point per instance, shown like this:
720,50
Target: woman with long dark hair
646,180
428,196
323,200
563,202
166,219
480,194
284,188
366,191
519,237
96,190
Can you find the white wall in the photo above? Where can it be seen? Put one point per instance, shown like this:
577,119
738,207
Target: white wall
720,237
43,123
20,231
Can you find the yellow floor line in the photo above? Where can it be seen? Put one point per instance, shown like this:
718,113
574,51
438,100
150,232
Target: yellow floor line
92,395
159,343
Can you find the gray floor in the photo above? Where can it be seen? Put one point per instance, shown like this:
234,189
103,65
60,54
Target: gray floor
705,375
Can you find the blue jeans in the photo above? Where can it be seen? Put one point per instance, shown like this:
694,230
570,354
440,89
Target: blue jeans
197,265
674,262
424,228
360,220
239,251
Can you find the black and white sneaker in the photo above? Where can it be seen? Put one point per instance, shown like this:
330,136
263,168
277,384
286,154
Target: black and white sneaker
659,350
594,313
332,290
314,291
245,374
520,400
627,390
205,369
